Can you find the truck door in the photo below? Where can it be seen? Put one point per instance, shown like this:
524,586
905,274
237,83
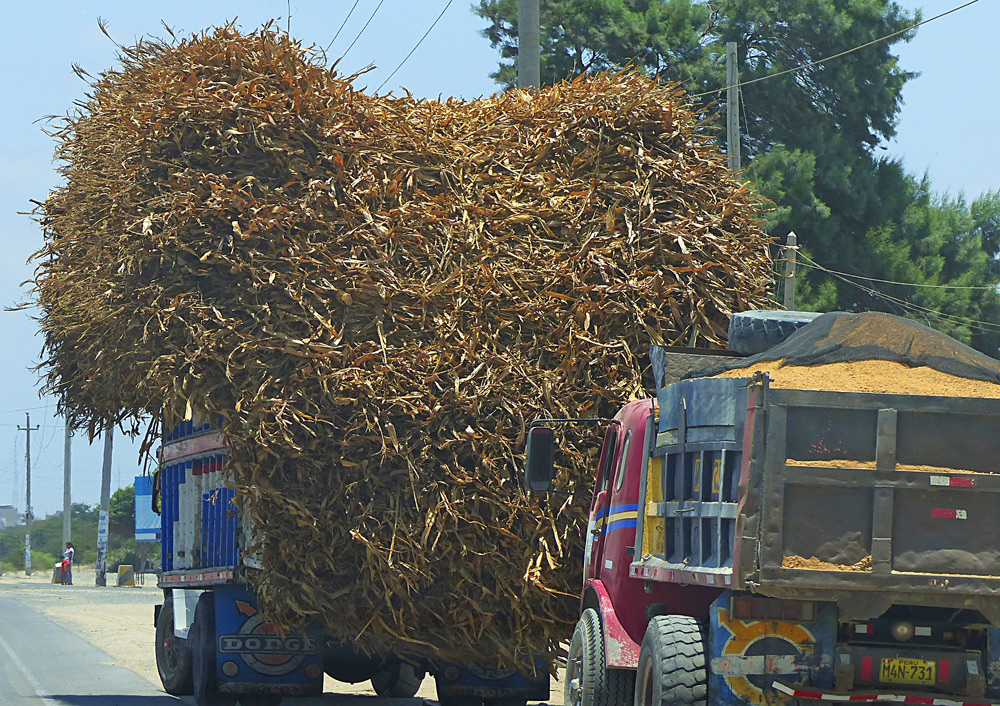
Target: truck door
599,507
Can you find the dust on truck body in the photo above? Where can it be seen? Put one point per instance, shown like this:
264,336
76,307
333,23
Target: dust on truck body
211,639
755,545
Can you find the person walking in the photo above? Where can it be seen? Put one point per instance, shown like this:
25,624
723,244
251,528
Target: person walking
68,563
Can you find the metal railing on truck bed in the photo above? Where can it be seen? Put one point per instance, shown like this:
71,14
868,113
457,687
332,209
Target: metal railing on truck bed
865,499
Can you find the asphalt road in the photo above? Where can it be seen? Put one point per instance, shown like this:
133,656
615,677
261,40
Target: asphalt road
42,664
82,645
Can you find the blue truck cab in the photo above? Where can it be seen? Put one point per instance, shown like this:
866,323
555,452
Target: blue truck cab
212,641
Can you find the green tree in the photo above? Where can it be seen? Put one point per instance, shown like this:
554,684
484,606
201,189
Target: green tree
121,512
854,98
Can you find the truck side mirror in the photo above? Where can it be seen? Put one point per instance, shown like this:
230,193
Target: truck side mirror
155,498
538,460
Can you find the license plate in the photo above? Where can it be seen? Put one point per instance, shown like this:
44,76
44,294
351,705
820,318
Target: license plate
908,671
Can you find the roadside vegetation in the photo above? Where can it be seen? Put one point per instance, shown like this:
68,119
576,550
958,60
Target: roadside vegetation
47,543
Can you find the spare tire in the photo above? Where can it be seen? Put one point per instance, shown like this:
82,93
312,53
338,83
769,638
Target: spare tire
752,332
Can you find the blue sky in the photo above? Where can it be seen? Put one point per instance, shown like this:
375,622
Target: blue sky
946,127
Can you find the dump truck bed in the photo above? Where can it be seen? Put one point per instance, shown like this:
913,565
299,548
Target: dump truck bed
865,499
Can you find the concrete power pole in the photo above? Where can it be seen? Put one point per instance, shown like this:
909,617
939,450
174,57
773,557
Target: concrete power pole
67,500
28,515
732,108
102,523
790,253
528,60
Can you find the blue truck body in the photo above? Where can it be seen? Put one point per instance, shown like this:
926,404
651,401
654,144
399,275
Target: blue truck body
204,548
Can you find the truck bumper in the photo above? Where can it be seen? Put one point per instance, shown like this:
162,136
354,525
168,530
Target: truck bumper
800,692
472,680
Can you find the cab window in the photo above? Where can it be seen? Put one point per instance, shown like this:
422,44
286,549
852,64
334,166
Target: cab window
607,457
621,466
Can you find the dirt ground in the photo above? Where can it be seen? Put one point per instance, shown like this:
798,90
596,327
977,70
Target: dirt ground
119,621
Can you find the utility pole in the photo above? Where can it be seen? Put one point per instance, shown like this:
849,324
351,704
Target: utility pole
27,509
790,252
67,501
102,522
732,108
528,61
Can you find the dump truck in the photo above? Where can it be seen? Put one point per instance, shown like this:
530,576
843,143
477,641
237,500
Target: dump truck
213,641
756,544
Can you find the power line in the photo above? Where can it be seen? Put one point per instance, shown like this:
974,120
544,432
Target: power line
976,324
837,56
818,266
42,426
363,28
341,27
433,24
25,409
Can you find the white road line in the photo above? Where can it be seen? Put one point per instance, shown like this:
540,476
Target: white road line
39,691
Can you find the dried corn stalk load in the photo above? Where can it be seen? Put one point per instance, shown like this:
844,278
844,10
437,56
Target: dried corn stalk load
378,294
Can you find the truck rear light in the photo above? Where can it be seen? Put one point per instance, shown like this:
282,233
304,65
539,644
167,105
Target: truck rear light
744,608
902,631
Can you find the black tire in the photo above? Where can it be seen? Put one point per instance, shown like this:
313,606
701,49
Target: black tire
672,667
397,680
589,682
202,639
173,654
752,332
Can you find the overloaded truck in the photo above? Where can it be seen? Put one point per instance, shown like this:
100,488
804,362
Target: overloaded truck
756,544
212,640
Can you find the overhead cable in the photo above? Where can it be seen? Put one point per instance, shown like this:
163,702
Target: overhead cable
350,12
818,266
433,24
363,28
976,324
835,56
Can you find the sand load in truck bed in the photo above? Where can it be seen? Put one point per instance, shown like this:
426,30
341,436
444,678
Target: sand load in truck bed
872,352
378,294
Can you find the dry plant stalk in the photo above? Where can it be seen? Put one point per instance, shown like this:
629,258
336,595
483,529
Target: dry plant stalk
379,294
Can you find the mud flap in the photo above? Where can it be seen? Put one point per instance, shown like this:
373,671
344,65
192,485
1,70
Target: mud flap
747,656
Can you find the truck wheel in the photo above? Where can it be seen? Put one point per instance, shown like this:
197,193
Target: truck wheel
202,638
173,655
672,669
397,680
589,682
752,332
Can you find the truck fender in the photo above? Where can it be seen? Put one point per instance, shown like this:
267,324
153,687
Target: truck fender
620,651
185,601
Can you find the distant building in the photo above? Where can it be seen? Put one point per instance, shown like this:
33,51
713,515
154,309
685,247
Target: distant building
9,516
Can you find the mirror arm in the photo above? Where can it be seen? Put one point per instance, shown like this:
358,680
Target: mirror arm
586,420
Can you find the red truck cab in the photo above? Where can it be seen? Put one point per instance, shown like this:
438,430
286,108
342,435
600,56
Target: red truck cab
610,550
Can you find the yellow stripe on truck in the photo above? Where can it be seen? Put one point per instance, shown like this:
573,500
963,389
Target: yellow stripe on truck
654,527
628,515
